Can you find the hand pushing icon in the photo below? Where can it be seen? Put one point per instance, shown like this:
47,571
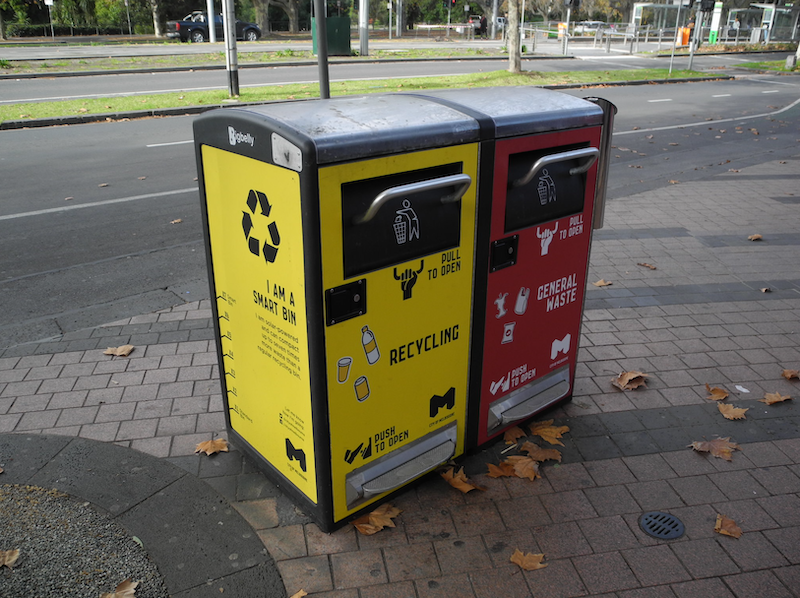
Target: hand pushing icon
408,279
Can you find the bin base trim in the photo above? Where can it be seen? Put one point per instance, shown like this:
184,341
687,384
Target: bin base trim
401,465
529,399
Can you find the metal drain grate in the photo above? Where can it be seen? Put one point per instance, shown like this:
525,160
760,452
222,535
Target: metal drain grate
661,525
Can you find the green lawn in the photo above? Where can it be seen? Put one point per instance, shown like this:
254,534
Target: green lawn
497,78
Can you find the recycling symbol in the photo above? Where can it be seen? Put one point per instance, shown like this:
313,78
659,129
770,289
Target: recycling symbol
257,199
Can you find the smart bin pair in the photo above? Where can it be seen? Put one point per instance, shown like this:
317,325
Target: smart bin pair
395,279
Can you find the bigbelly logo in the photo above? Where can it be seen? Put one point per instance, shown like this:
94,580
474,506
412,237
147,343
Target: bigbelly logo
235,137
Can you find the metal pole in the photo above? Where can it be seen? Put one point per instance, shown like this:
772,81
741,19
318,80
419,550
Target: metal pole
675,43
322,49
363,26
390,19
231,63
212,24
698,26
566,31
128,8
50,13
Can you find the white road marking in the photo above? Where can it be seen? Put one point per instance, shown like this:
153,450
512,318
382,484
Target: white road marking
722,95
770,91
97,203
664,100
168,143
705,123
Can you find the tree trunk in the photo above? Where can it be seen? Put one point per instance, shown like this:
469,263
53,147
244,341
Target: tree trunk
158,26
262,14
2,27
512,36
290,7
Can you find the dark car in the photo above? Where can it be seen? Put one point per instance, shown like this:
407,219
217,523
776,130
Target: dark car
194,28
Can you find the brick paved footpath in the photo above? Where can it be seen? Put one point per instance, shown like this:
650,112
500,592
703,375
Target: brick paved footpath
699,318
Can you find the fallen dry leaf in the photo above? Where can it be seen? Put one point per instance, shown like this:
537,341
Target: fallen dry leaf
210,447
126,589
299,594
142,178
754,238
373,522
459,480
8,558
524,467
630,380
716,393
513,434
176,221
789,374
673,182
68,198
103,185
646,265
766,290
121,351
731,412
1,470
602,283
727,527
529,561
771,398
504,470
538,453
719,447
734,170
548,432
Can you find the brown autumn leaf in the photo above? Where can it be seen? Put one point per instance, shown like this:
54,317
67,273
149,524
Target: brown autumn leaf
121,351
731,412
770,398
524,467
142,178
602,283
715,393
755,238
299,594
8,558
513,434
646,265
373,522
176,221
1,470
103,185
630,380
210,447
459,480
719,447
789,374
126,589
504,470
540,454
548,432
528,561
727,527
673,182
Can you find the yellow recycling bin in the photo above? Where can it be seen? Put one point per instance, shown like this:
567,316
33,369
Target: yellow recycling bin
340,237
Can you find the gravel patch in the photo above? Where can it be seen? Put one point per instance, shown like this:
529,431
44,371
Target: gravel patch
68,549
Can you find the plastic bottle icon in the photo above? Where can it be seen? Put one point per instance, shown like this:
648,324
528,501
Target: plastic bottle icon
370,346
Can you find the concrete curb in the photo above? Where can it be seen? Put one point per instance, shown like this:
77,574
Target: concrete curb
201,544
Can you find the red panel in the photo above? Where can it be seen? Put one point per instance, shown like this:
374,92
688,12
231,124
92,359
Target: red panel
534,307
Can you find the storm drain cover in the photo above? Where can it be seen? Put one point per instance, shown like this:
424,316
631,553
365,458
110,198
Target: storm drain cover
661,525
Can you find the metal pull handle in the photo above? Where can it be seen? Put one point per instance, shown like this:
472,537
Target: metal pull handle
462,181
588,154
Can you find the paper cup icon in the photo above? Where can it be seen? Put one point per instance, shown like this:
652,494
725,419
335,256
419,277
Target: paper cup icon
362,388
343,371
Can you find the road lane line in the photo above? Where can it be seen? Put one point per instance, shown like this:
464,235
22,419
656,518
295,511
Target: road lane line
97,203
664,100
770,91
705,123
168,143
722,95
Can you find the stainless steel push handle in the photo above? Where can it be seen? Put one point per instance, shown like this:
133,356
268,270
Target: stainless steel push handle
588,155
460,181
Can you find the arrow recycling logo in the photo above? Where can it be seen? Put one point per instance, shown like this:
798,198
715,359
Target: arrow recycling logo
254,232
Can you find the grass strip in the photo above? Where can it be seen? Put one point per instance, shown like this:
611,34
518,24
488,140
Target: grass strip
131,103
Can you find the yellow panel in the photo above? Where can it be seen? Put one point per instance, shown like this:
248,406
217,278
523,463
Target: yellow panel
385,367
255,226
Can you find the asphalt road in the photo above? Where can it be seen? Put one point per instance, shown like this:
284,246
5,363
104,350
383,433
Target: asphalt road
87,213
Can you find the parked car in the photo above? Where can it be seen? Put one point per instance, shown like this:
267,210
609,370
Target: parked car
587,27
194,28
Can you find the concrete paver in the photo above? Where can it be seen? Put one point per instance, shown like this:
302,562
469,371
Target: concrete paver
704,320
